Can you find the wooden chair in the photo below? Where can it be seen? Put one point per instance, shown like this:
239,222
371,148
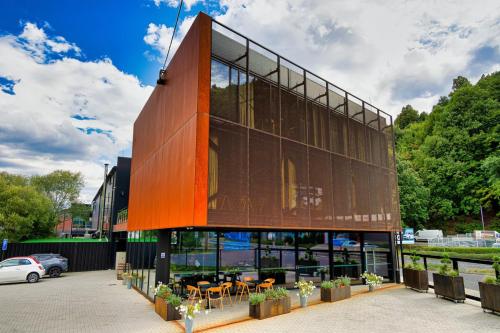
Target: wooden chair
214,294
249,281
241,288
263,286
226,291
194,293
271,281
202,284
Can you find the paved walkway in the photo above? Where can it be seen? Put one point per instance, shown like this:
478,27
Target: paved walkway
95,302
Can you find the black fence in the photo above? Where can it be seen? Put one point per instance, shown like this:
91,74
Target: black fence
81,256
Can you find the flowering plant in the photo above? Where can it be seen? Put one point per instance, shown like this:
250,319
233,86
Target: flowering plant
162,290
372,279
305,288
190,311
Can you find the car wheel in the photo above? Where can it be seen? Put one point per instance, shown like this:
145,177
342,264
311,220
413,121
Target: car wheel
54,272
33,277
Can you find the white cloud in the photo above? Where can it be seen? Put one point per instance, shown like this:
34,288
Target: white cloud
175,3
389,53
63,112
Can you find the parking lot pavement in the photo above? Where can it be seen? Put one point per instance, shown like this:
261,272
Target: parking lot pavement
78,302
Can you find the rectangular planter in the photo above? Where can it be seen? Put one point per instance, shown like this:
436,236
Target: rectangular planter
270,308
418,280
335,294
165,310
449,287
490,296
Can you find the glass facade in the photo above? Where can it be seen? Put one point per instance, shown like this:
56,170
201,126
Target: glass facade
307,155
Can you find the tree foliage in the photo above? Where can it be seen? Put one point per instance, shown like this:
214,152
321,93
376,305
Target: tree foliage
62,187
454,152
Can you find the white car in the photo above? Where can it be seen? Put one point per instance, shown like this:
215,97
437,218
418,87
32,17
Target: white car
21,269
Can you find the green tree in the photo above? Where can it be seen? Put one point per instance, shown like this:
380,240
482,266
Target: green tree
407,116
413,195
62,187
24,212
454,151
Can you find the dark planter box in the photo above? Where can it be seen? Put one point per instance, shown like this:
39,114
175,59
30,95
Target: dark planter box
490,296
165,310
335,294
449,287
418,280
270,308
279,277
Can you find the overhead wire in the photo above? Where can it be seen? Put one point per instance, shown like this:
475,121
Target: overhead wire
173,33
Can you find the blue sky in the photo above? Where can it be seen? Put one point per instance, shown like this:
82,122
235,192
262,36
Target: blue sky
112,29
74,75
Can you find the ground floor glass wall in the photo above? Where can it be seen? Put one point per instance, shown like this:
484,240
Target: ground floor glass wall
286,256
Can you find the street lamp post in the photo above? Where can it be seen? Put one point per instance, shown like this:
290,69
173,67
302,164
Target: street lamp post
101,224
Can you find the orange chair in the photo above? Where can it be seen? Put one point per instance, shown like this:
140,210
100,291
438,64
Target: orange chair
194,294
263,286
270,280
200,285
226,290
248,280
214,294
241,288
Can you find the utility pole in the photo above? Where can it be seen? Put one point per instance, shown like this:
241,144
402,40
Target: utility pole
482,218
103,193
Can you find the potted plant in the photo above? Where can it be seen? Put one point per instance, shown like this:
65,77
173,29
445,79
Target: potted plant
189,311
272,302
305,290
372,280
133,278
140,279
166,303
278,274
447,283
322,272
489,289
336,290
415,275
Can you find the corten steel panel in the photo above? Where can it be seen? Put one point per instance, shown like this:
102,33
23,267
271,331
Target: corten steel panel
170,146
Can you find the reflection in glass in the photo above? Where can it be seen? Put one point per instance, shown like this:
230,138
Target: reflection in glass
238,254
318,125
347,255
320,188
313,256
194,253
378,258
264,108
293,116
264,176
342,188
227,174
294,188
277,258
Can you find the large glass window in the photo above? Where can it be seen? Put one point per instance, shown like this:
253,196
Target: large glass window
194,254
378,258
264,105
293,116
227,174
238,254
313,256
318,125
342,186
320,188
228,93
264,171
277,257
347,255
295,188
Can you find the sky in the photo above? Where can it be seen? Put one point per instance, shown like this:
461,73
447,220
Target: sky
74,75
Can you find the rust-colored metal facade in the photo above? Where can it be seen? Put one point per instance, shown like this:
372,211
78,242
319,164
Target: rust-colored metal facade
240,137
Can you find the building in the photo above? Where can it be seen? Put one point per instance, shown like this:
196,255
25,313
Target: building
74,221
116,193
244,161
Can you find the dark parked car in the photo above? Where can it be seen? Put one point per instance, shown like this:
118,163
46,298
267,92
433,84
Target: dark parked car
54,264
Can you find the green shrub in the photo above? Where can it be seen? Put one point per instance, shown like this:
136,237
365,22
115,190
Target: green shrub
256,298
174,300
345,280
444,268
276,293
490,280
327,284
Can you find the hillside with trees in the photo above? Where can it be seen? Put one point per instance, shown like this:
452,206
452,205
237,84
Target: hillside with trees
449,160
